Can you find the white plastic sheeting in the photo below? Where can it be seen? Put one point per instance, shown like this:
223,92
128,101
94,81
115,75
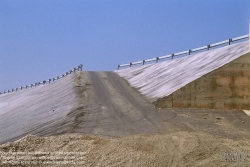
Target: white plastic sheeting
161,79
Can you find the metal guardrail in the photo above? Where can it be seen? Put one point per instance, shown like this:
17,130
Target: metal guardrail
156,59
78,68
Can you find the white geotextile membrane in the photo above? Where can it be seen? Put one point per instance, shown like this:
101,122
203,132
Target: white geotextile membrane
161,79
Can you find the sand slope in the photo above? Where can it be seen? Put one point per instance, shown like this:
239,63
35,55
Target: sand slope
102,103
100,114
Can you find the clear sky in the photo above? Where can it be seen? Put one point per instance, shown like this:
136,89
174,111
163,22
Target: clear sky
41,39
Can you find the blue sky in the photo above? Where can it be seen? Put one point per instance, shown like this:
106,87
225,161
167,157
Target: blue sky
41,39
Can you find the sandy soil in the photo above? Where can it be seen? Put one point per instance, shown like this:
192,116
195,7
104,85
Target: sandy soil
176,149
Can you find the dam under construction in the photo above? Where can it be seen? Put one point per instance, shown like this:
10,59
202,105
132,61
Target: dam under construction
175,112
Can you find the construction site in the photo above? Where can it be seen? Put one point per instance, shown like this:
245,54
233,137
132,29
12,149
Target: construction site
187,111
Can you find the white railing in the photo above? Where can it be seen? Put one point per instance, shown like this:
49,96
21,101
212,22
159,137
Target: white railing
188,52
78,68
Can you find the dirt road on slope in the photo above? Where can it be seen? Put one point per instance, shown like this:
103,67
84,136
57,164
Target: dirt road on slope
110,107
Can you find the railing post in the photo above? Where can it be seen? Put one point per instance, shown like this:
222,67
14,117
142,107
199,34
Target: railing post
130,64
157,58
80,67
118,67
229,41
143,62
172,56
189,52
208,46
